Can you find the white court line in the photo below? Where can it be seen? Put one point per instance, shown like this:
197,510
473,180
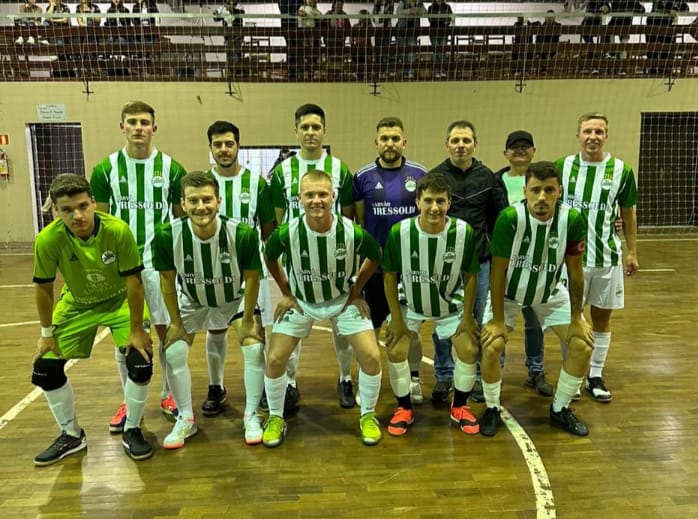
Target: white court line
37,392
657,270
545,503
16,286
9,325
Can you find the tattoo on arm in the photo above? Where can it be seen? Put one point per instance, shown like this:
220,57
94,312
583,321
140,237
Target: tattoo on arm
576,296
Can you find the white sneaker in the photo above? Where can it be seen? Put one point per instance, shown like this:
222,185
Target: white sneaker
20,40
416,395
42,40
253,430
31,40
182,430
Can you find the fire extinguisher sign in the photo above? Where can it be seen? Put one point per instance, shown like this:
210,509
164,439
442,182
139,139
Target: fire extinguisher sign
4,139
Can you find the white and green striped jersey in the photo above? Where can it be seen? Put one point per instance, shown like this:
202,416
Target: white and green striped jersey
139,191
597,189
208,271
536,250
245,197
320,266
431,266
286,179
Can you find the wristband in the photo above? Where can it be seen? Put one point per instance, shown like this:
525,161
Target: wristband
47,331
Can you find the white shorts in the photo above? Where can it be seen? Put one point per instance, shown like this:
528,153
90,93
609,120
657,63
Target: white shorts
604,287
197,317
153,297
264,304
445,327
556,312
348,322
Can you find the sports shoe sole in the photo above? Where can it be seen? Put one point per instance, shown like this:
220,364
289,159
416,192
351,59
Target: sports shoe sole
81,447
135,457
179,445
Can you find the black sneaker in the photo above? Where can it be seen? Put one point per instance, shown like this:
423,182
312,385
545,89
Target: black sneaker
441,392
598,390
135,444
263,404
537,381
65,445
213,405
566,420
292,398
477,395
490,421
345,391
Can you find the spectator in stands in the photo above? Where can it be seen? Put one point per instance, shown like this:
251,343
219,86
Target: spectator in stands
227,14
595,11
439,35
29,7
337,29
361,44
623,20
53,8
409,15
550,33
87,7
117,7
383,20
143,7
309,18
523,37
665,13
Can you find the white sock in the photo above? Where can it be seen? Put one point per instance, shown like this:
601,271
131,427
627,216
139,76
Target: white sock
400,379
162,356
216,348
292,364
253,374
345,355
369,389
135,396
61,402
464,376
121,366
276,393
567,386
602,342
180,377
414,356
492,392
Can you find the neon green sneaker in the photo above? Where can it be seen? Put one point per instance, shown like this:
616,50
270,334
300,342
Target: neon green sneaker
274,431
370,429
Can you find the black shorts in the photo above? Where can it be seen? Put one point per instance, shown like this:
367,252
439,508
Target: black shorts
374,293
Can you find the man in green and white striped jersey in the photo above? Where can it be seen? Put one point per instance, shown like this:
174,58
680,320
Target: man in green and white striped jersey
203,260
245,197
436,257
140,185
599,185
285,189
321,249
532,240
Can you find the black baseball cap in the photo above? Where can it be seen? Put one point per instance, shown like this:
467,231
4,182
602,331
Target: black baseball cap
518,135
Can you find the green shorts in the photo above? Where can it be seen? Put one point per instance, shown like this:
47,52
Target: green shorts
75,327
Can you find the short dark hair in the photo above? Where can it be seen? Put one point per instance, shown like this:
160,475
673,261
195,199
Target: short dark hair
221,127
390,122
309,109
68,184
461,124
543,170
434,182
199,179
136,107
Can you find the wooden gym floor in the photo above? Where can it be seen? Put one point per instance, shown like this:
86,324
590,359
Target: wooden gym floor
640,460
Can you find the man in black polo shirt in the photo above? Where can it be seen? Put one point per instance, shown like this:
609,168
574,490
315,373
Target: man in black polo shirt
477,198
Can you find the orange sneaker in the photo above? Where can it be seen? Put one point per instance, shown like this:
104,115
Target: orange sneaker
401,419
169,408
116,425
465,419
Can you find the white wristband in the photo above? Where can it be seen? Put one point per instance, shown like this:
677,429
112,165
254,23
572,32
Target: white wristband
47,331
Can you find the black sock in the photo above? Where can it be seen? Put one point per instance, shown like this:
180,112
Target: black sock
460,398
404,401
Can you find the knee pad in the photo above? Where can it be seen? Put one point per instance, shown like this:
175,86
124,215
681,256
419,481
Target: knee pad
49,374
139,370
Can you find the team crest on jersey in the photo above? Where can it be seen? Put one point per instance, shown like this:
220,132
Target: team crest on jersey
340,253
553,242
95,277
450,256
410,184
607,182
225,258
108,257
245,197
158,181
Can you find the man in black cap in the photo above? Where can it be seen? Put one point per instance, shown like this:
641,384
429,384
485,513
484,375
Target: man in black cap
519,150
